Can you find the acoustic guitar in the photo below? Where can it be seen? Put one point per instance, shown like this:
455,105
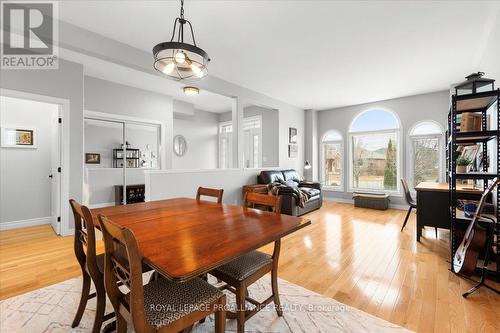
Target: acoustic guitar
475,238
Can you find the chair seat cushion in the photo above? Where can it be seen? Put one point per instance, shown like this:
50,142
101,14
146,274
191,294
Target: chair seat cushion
244,266
311,191
166,301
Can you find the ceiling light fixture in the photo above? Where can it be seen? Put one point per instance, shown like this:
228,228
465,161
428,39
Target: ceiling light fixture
189,90
178,59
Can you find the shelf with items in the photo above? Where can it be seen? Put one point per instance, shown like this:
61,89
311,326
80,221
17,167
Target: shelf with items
469,129
132,156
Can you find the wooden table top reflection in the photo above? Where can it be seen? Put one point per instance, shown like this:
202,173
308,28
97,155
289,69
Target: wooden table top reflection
183,238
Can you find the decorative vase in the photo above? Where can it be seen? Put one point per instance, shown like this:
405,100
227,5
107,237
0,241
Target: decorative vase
461,168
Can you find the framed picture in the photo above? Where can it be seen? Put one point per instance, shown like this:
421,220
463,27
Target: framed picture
470,152
92,158
18,137
292,135
292,151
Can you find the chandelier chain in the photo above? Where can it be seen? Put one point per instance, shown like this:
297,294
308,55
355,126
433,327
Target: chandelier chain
182,9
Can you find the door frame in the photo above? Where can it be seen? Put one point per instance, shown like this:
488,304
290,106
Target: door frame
64,113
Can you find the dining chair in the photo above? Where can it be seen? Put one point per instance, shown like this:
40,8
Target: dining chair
92,266
409,200
242,272
160,305
210,192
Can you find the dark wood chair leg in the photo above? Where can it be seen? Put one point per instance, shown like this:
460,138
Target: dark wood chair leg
220,317
83,300
101,307
406,219
121,324
436,230
240,308
276,295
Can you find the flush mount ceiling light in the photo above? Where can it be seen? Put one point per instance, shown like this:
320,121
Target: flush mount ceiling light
178,59
189,90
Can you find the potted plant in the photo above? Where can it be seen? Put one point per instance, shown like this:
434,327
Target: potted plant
462,163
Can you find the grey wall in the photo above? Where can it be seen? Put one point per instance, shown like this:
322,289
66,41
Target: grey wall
67,83
24,171
410,110
201,133
270,132
113,98
90,44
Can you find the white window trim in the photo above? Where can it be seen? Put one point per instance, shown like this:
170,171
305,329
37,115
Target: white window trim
410,147
399,166
322,164
127,120
230,122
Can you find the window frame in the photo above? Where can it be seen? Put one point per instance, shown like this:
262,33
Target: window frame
399,152
411,152
322,161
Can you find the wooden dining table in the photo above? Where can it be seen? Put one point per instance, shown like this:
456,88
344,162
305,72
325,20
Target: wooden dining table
183,238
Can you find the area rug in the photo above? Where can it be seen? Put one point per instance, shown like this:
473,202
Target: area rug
51,309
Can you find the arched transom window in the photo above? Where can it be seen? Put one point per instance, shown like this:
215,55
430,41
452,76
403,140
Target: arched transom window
425,151
374,152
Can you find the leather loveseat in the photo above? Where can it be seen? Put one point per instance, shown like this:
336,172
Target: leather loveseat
290,181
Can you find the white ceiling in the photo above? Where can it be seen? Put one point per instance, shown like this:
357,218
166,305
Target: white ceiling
206,100
317,54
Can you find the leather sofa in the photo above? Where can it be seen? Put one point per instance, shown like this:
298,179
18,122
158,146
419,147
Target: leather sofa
289,201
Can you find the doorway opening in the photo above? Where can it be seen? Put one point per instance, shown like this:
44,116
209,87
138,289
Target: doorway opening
30,163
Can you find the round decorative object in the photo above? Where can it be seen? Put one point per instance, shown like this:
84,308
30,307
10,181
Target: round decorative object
180,145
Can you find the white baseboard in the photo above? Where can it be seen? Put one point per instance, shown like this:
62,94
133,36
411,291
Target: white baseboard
25,223
350,201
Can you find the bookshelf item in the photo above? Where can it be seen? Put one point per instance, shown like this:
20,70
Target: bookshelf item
134,194
132,157
469,126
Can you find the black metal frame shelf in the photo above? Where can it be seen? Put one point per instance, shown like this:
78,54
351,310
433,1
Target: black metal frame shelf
478,103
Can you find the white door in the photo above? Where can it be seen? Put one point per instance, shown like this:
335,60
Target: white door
55,175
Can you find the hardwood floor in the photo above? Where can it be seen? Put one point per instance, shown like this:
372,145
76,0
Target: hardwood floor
357,256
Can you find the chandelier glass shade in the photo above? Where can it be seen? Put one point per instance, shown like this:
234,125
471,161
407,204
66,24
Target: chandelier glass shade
179,59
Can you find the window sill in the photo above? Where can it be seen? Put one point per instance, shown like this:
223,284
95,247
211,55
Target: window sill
332,189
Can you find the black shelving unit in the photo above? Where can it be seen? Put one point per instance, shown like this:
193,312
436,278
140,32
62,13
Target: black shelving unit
132,157
479,103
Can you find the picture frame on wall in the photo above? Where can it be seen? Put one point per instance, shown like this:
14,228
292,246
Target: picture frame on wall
292,135
92,158
292,151
18,137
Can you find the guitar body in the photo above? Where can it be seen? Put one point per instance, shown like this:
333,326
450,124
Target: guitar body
465,259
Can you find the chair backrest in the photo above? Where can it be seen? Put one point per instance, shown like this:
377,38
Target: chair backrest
84,242
127,270
272,201
406,189
210,192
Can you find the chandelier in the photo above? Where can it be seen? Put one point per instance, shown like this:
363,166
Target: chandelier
179,59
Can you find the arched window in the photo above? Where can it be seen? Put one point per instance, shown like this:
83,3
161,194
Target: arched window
425,160
374,151
331,160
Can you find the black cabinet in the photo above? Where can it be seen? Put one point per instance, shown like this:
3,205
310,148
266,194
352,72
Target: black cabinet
134,193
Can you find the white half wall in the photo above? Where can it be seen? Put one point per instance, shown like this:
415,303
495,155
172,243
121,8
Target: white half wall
166,184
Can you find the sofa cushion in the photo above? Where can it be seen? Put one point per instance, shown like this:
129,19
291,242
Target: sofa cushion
271,176
291,175
310,191
290,183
